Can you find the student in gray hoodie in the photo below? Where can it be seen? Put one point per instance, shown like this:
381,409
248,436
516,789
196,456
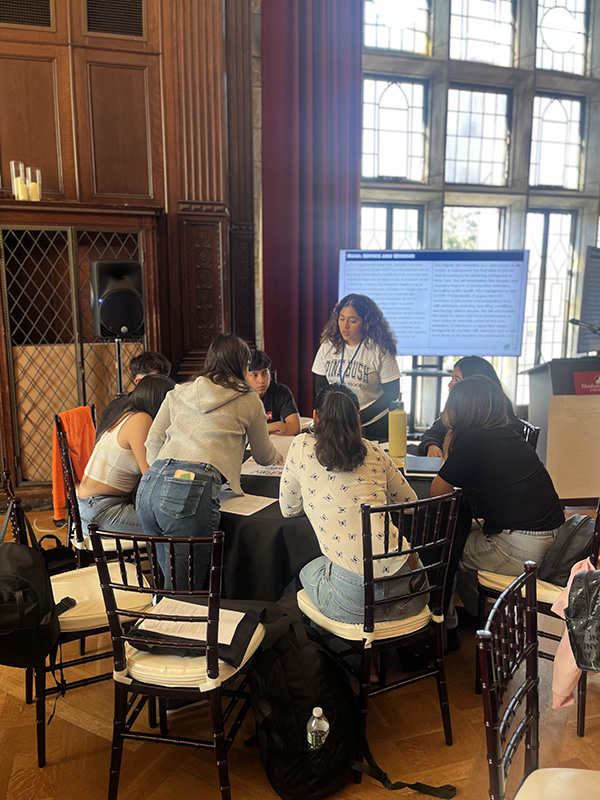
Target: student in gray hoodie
196,441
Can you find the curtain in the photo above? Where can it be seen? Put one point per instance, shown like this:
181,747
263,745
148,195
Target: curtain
311,122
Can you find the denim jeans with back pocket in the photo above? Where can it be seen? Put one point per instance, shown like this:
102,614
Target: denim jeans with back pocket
178,506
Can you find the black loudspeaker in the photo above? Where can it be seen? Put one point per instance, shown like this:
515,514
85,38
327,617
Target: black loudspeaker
117,298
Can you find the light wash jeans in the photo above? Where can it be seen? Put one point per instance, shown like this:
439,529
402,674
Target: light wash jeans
503,553
115,513
340,595
170,506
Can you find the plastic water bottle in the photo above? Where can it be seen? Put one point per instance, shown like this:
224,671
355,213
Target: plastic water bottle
317,729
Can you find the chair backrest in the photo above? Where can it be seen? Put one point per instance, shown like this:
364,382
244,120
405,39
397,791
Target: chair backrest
429,527
531,433
508,658
126,577
17,514
75,533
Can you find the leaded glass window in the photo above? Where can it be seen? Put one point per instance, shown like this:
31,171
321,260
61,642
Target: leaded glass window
473,228
561,35
549,239
390,227
482,30
477,137
397,25
393,129
556,142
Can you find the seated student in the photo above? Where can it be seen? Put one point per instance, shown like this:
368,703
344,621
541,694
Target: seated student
147,363
119,460
282,413
328,474
504,480
432,441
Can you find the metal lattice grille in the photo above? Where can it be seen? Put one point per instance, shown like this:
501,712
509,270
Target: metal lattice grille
56,363
37,13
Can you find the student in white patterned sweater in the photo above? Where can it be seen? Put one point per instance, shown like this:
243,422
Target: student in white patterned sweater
328,474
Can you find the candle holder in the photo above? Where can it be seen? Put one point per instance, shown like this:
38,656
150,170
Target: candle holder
17,172
34,183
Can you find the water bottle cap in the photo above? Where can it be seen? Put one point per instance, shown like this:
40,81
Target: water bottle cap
317,711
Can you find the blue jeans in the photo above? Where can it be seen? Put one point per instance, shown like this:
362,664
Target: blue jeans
503,552
170,506
110,512
340,594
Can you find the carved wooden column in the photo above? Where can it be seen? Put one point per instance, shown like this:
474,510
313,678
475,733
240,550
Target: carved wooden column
193,47
241,195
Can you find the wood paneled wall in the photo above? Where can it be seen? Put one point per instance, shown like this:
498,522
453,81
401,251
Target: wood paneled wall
159,122
162,120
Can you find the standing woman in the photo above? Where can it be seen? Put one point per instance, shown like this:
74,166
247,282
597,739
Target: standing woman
358,350
505,480
196,441
328,474
119,460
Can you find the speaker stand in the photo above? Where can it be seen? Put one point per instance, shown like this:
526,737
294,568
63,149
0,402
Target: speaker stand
119,358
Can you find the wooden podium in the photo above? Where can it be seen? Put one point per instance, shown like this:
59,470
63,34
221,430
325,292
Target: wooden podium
569,442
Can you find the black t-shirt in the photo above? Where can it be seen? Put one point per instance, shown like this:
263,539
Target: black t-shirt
279,402
509,484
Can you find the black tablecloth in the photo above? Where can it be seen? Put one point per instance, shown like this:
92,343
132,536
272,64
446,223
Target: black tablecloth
265,551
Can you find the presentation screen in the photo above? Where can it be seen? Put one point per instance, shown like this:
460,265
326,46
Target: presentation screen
444,302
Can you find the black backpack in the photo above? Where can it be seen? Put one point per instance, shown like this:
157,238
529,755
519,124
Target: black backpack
572,544
287,680
29,626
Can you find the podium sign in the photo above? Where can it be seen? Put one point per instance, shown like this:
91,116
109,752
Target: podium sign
586,382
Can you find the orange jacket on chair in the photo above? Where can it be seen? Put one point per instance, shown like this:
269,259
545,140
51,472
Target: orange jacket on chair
81,433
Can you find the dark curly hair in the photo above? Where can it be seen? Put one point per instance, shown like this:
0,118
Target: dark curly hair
339,444
375,327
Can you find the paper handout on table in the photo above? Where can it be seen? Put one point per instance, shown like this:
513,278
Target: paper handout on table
250,467
243,504
228,621
282,443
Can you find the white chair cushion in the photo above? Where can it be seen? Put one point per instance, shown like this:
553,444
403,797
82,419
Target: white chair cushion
83,585
560,784
546,592
184,671
354,632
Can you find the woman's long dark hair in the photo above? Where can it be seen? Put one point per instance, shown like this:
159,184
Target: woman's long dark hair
339,444
475,402
375,327
147,396
227,362
476,365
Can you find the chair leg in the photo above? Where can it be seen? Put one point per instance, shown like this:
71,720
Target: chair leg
365,682
117,740
442,685
162,716
82,646
581,703
481,624
40,712
152,720
216,713
29,685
